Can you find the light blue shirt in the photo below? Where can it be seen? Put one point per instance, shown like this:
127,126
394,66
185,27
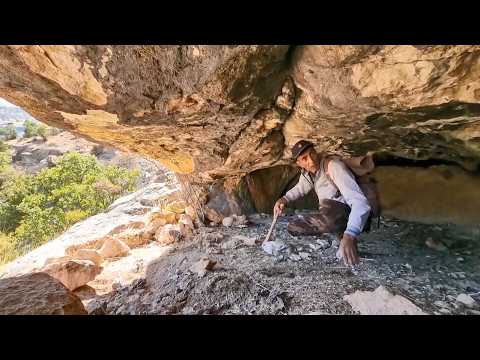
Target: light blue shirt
350,193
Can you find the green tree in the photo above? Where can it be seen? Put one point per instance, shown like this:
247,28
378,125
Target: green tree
9,133
36,208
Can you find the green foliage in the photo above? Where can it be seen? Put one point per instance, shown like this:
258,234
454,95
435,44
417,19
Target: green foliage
34,129
36,208
8,250
5,157
9,133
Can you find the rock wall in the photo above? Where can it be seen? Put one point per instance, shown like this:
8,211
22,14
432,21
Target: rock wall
221,112
437,194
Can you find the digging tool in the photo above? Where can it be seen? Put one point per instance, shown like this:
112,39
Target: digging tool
267,238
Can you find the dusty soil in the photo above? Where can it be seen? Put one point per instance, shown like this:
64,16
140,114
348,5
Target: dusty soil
246,280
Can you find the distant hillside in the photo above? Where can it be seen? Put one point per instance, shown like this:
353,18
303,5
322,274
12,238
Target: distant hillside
10,113
13,115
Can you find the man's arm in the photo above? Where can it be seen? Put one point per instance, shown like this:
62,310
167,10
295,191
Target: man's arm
353,195
302,188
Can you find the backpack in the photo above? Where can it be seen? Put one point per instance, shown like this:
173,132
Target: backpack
360,166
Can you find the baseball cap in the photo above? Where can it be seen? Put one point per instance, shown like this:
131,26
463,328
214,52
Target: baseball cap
300,147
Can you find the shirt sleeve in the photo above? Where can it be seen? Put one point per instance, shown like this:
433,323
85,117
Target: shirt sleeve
353,195
302,188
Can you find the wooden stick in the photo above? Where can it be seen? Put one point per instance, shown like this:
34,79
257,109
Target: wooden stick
267,238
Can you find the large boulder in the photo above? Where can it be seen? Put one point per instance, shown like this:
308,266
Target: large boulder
37,294
73,273
113,247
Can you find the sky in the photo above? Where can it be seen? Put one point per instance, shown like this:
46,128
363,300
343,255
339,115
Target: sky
5,103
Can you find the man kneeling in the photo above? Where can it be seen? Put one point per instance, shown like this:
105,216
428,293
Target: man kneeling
343,208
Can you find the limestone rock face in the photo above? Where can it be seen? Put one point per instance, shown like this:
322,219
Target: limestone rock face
218,113
37,294
223,110
138,97
408,100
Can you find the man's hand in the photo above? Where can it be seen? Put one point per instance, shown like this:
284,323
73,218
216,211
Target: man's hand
348,249
279,207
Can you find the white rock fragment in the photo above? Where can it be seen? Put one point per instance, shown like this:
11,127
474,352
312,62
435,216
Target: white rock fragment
273,247
441,304
227,222
246,240
435,245
295,257
304,255
324,244
466,300
381,302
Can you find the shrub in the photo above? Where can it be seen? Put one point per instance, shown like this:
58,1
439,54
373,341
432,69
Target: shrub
5,157
5,160
8,250
34,129
9,133
36,208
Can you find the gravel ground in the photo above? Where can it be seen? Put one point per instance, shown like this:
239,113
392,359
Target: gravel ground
306,277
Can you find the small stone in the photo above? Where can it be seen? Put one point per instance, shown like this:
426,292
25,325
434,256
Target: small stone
168,216
304,255
317,313
246,240
239,220
466,300
230,244
314,247
435,245
177,207
441,304
169,234
460,259
202,266
324,244
444,311
186,220
274,247
458,275
295,257
227,222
